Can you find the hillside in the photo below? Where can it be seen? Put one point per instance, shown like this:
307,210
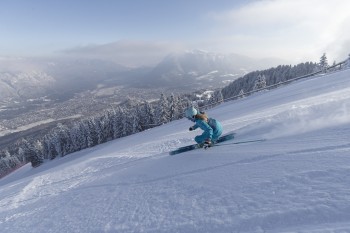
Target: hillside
295,181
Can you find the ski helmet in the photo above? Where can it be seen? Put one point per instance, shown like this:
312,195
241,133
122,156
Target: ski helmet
190,112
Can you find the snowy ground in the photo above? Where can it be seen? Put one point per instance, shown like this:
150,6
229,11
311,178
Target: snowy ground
298,180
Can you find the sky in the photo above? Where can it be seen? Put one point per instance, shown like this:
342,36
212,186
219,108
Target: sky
138,32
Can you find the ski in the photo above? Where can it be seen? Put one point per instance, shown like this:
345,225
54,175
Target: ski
224,138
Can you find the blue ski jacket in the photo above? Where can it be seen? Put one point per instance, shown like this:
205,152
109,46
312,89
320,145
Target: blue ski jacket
212,129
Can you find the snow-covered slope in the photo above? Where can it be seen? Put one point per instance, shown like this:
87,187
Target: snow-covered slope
296,181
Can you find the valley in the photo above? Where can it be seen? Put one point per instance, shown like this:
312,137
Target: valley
35,115
37,93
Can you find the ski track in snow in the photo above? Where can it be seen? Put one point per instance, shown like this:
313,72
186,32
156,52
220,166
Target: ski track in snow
295,181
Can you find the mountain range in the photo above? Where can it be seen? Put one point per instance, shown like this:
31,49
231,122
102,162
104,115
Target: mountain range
25,78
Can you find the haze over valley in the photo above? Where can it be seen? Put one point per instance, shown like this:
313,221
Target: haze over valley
36,91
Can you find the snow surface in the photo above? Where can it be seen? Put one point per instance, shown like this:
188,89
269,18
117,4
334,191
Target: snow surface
298,180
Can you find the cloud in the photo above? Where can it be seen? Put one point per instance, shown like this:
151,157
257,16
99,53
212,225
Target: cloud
127,52
296,29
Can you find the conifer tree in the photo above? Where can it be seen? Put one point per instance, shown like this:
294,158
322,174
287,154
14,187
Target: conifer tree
174,107
162,110
116,123
61,140
137,121
77,137
216,98
126,122
241,94
260,82
323,62
148,116
35,158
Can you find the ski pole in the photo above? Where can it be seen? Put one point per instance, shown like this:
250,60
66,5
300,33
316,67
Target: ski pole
241,142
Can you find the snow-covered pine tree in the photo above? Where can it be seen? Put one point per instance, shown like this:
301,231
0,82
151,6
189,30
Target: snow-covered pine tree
11,161
38,147
175,108
4,166
83,134
162,110
216,98
76,135
32,156
183,104
101,125
126,122
49,151
323,63
137,121
148,116
61,139
108,115
21,156
241,93
260,82
116,123
92,135
6,163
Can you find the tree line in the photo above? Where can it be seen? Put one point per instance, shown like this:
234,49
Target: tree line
260,79
278,75
109,125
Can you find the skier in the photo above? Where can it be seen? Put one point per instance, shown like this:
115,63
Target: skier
211,127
